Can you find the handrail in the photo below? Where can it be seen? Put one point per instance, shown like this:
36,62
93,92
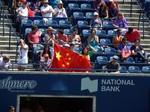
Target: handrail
11,29
141,11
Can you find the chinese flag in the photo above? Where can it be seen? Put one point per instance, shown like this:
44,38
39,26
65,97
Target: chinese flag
69,61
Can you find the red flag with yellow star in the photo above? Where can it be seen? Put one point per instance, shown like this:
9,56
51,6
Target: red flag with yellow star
69,61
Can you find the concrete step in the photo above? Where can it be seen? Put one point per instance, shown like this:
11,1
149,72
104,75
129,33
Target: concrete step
145,41
135,23
6,42
6,47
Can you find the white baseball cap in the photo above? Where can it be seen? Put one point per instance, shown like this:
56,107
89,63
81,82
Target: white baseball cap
95,14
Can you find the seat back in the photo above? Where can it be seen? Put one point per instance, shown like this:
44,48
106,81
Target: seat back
134,69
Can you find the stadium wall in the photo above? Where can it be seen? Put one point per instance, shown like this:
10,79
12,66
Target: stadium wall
112,92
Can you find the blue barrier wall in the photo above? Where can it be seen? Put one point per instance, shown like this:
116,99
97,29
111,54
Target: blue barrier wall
114,93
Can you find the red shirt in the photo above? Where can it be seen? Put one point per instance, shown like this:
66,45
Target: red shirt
134,35
63,37
34,37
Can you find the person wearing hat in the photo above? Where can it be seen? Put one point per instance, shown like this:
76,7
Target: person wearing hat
113,65
49,36
60,11
46,11
124,50
96,22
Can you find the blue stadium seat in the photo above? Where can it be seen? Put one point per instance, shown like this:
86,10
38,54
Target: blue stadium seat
102,59
112,33
145,69
55,31
73,7
130,60
108,25
101,33
64,24
43,30
105,41
52,23
85,7
77,16
110,51
27,30
85,34
68,31
83,24
25,23
77,50
123,69
134,69
89,16
39,23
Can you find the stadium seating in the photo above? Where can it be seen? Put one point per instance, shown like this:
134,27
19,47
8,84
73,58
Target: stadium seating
145,69
64,24
123,69
52,23
134,69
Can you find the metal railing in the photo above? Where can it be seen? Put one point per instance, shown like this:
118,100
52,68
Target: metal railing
3,17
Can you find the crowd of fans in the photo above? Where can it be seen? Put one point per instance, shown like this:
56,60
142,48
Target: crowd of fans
126,45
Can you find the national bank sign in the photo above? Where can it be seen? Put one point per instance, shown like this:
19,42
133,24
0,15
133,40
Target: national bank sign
17,85
105,85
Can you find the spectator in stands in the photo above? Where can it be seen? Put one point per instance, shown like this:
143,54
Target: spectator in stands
96,22
46,11
124,50
120,21
93,40
113,66
53,3
85,53
49,36
60,11
132,35
22,55
113,11
11,108
138,50
74,38
110,2
61,38
103,12
4,63
97,4
22,12
33,40
116,40
46,50
45,63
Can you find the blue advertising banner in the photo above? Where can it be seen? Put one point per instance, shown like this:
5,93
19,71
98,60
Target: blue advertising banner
105,93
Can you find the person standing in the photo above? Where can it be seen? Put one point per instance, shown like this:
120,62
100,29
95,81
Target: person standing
22,55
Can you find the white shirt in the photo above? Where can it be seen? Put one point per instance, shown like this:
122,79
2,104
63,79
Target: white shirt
62,12
24,11
48,7
23,54
3,65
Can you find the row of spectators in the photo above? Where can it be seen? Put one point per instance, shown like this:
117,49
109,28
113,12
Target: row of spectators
73,41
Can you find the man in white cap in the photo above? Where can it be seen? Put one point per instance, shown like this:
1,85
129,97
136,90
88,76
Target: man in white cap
47,11
113,66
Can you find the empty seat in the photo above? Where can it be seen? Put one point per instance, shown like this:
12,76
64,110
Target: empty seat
112,33
64,24
110,51
52,23
77,16
25,23
86,7
27,30
89,16
108,25
130,60
145,69
134,69
101,33
123,69
85,34
68,31
102,59
105,42
39,23
73,7
82,24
